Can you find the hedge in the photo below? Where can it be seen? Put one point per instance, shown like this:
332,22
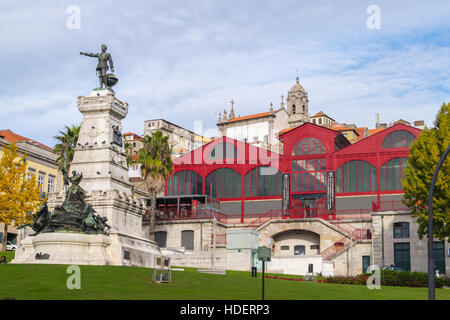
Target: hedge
393,278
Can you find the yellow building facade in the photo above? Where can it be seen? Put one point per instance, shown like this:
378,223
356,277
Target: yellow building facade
41,162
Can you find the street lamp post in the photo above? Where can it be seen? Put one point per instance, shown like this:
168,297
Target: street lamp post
431,284
372,258
351,253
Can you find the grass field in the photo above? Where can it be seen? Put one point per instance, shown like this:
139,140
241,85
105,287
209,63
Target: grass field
111,282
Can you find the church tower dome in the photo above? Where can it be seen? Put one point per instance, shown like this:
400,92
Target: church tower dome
297,87
297,105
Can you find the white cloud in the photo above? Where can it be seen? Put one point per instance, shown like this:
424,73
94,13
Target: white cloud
185,61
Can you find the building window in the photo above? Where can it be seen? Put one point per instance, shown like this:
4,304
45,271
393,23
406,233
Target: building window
308,181
439,256
402,257
398,139
320,120
51,184
185,182
308,146
314,247
299,250
224,151
187,239
314,121
293,109
263,181
401,230
31,173
356,176
161,238
41,179
284,248
308,165
391,174
223,183
266,139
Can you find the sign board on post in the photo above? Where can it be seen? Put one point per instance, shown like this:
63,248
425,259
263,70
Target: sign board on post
264,253
330,190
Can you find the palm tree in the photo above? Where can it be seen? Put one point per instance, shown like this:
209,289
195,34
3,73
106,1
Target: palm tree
65,149
129,151
156,166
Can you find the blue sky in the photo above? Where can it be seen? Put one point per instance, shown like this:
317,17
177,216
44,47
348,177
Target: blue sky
185,60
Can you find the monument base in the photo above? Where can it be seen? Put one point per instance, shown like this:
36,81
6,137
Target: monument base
87,249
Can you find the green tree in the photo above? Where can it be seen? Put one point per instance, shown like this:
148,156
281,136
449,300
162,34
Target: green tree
19,194
129,152
424,156
66,146
156,166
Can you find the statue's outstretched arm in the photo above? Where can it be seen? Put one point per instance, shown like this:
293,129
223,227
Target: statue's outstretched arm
96,55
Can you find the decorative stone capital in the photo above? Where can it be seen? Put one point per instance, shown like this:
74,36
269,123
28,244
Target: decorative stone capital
102,101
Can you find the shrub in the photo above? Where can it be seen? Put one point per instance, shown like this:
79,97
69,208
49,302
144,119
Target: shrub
393,278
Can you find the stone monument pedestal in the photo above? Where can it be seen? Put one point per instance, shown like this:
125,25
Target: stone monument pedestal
99,156
87,249
65,248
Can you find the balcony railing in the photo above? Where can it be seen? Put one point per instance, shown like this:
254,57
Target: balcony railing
188,215
255,220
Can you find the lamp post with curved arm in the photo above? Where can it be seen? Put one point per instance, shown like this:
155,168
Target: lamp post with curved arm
431,283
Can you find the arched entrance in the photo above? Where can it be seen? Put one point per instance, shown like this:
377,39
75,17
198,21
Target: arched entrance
296,242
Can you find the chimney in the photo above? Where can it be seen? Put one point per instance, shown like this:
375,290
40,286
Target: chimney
419,123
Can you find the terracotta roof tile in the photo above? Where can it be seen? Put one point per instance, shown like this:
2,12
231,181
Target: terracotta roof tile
286,130
252,116
14,137
135,136
373,131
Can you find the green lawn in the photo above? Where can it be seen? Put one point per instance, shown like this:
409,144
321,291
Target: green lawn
97,282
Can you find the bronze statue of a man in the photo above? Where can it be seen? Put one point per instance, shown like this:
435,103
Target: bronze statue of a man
102,66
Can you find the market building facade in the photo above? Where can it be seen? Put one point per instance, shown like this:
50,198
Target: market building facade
323,206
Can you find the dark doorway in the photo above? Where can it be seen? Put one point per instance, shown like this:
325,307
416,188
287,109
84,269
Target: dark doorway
365,263
187,239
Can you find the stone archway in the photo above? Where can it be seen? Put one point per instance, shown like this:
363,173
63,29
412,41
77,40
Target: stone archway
296,242
328,233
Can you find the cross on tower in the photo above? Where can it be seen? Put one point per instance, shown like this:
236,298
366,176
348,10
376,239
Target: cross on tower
232,103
